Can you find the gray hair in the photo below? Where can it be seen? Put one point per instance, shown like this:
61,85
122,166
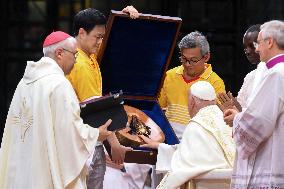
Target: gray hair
50,50
193,40
275,30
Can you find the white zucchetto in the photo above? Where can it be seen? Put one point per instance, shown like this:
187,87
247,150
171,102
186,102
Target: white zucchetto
203,90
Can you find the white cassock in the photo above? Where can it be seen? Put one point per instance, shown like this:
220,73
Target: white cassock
45,143
206,145
259,135
250,84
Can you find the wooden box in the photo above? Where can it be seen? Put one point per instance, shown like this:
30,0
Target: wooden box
134,57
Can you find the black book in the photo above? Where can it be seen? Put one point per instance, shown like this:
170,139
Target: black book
97,111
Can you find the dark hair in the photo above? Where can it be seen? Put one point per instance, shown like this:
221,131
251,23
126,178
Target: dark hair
88,19
254,28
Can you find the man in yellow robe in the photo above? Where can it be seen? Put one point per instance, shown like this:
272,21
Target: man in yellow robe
194,55
86,79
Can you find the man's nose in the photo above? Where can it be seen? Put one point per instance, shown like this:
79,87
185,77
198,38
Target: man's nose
100,40
256,49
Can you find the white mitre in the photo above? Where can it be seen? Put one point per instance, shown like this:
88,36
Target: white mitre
203,90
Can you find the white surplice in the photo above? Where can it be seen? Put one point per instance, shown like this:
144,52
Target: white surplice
259,136
206,145
250,84
45,144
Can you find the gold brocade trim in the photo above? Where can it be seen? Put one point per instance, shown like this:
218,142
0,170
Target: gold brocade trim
24,119
207,119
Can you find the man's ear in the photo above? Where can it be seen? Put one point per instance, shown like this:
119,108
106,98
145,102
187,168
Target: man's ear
58,53
82,32
270,42
207,57
195,100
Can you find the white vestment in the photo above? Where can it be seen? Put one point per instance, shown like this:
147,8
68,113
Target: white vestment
259,135
206,145
45,144
133,178
250,84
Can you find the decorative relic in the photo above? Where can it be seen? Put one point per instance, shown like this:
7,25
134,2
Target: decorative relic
137,127
138,124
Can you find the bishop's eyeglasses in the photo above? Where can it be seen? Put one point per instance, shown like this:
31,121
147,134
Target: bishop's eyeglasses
75,54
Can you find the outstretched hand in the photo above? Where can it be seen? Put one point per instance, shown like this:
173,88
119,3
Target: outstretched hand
118,153
103,132
149,142
227,101
110,163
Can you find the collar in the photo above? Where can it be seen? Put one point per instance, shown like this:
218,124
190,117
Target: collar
82,53
205,75
44,67
92,59
275,60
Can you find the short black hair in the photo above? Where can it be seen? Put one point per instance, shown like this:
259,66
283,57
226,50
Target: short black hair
254,28
88,19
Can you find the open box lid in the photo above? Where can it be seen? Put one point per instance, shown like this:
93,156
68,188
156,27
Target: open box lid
136,53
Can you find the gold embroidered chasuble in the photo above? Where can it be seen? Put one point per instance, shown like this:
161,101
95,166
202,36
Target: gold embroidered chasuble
206,145
45,143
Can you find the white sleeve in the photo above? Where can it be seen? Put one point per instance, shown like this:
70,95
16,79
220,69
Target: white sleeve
164,157
258,121
245,90
75,141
